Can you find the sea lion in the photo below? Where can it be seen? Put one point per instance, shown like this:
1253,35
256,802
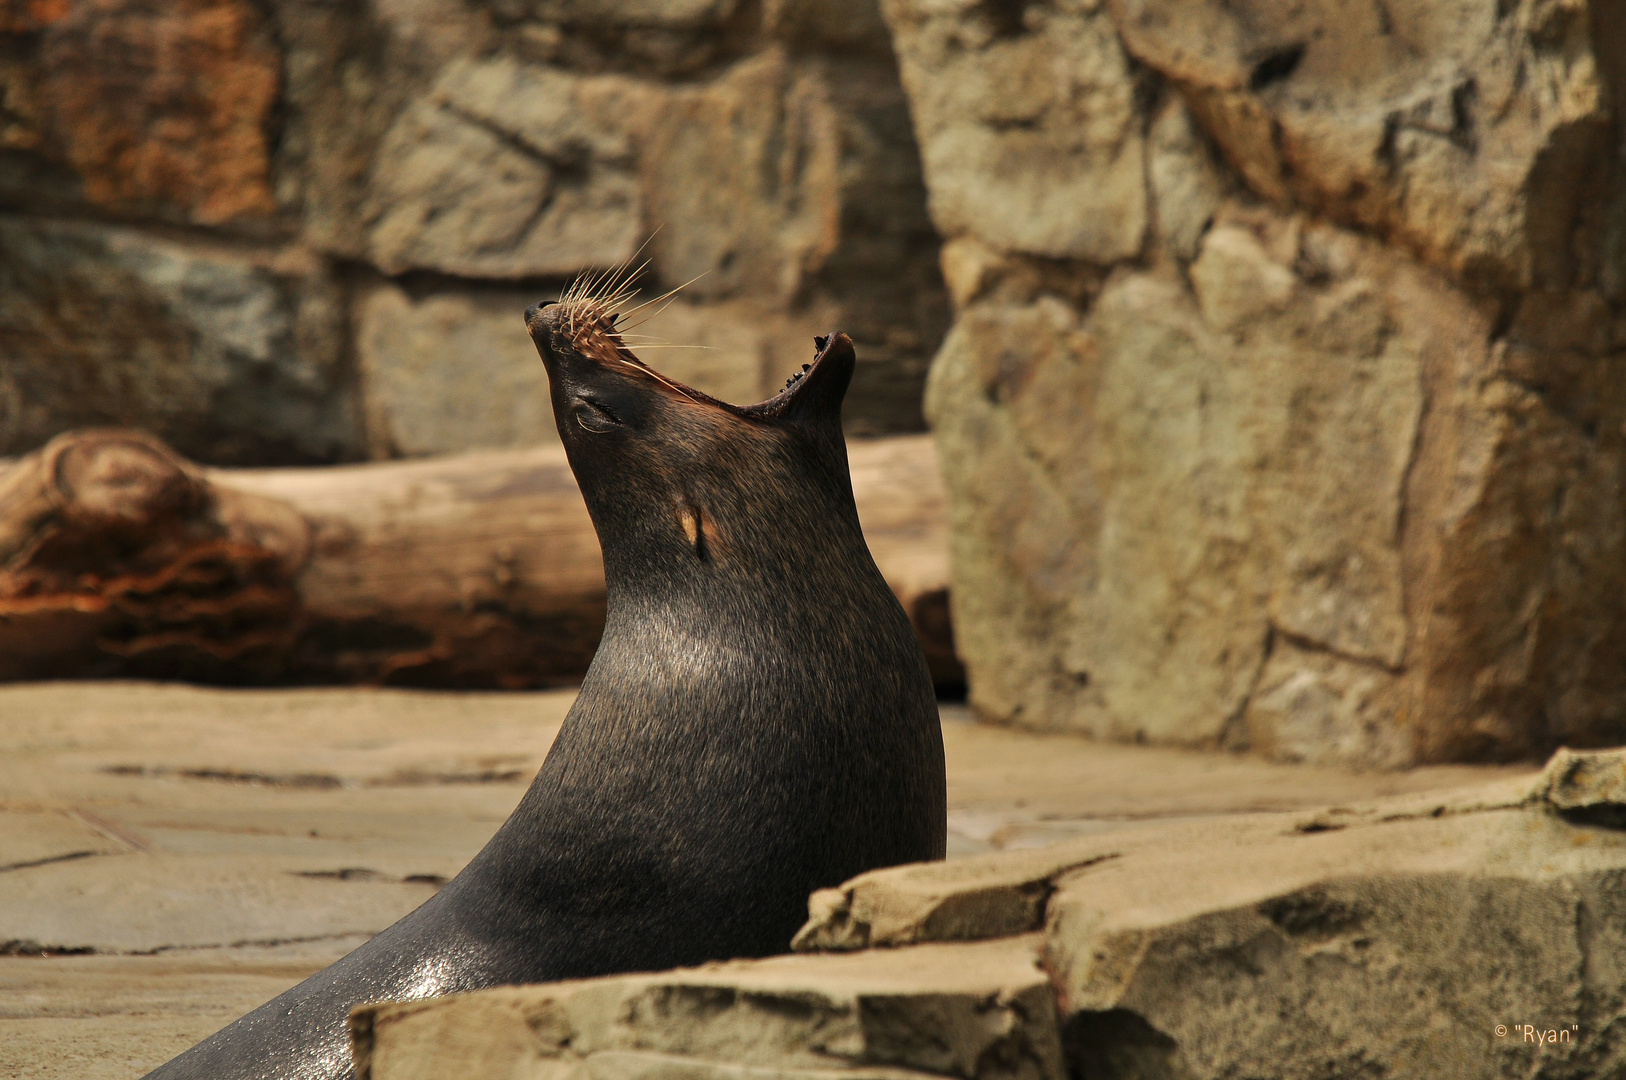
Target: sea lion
757,723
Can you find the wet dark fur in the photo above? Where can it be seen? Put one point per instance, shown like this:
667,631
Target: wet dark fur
758,722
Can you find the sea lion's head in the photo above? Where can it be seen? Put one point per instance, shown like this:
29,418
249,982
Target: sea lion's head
670,472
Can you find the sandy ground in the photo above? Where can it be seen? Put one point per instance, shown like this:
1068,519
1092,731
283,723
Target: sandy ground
172,856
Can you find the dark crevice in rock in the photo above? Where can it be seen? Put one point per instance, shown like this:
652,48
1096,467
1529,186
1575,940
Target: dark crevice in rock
1007,18
19,947
48,860
234,776
1117,1044
1276,67
247,943
572,167
412,778
348,873
1314,646
1603,815
1234,734
1312,913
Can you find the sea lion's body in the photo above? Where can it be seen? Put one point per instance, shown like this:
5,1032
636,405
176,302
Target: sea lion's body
758,721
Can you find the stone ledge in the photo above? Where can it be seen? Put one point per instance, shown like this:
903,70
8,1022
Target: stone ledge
1390,938
978,1011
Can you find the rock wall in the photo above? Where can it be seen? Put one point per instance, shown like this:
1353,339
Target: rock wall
1285,403
295,232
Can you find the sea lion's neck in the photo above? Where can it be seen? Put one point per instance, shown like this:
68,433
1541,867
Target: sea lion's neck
763,514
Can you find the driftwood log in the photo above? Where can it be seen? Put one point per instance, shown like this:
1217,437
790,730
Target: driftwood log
119,558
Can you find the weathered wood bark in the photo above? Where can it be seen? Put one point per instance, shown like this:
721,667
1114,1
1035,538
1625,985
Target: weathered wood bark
120,558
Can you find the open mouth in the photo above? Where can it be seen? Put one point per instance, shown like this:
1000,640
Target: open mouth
591,328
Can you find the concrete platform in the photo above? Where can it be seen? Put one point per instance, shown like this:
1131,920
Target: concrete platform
172,856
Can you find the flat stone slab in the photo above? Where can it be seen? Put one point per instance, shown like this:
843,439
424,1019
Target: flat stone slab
189,838
114,1017
978,1011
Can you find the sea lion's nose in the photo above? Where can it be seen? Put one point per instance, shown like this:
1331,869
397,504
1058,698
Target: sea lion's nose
532,311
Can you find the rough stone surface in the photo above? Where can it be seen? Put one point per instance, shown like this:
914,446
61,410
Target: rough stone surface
1326,462
461,152
119,1017
977,1012
446,372
1445,929
1204,477
232,357
1470,133
1479,927
139,108
1029,131
1483,926
510,171
787,184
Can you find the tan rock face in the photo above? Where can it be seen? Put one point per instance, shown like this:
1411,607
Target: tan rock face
1468,132
445,372
1028,128
1197,472
1474,934
1324,466
509,171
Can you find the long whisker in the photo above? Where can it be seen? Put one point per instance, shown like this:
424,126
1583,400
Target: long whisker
653,314
665,295
617,286
668,297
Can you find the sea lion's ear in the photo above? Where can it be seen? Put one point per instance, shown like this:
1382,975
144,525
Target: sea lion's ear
818,394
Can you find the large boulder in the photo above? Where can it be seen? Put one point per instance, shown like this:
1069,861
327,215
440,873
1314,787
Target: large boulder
1325,459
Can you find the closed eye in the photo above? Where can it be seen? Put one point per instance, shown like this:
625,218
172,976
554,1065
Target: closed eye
595,416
